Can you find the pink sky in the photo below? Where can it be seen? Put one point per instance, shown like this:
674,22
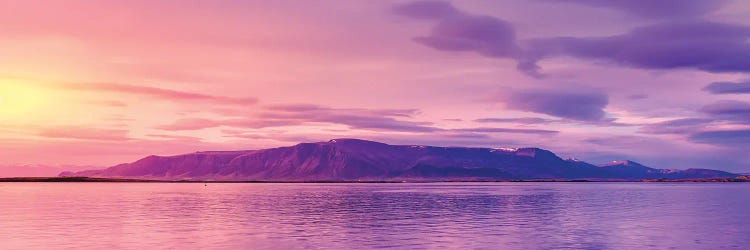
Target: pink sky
106,82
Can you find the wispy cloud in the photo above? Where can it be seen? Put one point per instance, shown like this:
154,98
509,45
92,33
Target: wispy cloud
202,123
158,93
84,133
379,120
296,114
521,120
108,103
728,138
508,130
677,126
655,9
728,88
731,110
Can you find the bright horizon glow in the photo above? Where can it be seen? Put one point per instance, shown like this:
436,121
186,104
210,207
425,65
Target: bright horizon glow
22,102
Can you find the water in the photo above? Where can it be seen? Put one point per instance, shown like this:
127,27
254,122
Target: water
345,216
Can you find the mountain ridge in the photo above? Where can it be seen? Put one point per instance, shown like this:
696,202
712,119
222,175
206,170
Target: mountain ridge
349,159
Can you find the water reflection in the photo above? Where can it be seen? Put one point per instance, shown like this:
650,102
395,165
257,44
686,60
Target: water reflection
449,215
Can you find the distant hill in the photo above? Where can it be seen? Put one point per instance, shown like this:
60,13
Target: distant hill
353,159
37,170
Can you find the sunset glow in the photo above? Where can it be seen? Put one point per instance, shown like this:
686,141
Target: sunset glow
22,102
105,82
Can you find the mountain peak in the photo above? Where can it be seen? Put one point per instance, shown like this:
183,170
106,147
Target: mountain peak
350,140
626,163
536,153
353,142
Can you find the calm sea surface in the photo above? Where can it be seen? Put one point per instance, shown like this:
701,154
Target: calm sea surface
345,216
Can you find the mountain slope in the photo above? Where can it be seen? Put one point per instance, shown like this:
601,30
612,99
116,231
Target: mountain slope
352,159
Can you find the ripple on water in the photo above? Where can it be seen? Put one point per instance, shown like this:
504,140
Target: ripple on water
427,215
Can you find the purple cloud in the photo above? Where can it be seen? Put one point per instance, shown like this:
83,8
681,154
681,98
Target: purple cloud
713,47
427,10
729,138
571,105
508,130
372,122
458,31
728,88
729,109
656,9
637,96
684,43
522,120
486,35
677,126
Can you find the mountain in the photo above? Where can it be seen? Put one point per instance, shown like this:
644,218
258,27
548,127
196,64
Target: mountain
36,170
353,159
633,170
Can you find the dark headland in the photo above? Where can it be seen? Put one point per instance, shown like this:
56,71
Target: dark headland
354,160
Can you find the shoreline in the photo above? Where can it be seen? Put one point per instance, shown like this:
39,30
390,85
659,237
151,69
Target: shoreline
126,180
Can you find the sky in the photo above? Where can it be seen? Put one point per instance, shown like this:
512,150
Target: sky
97,83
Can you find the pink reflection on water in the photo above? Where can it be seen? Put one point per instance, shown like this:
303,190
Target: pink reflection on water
453,215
